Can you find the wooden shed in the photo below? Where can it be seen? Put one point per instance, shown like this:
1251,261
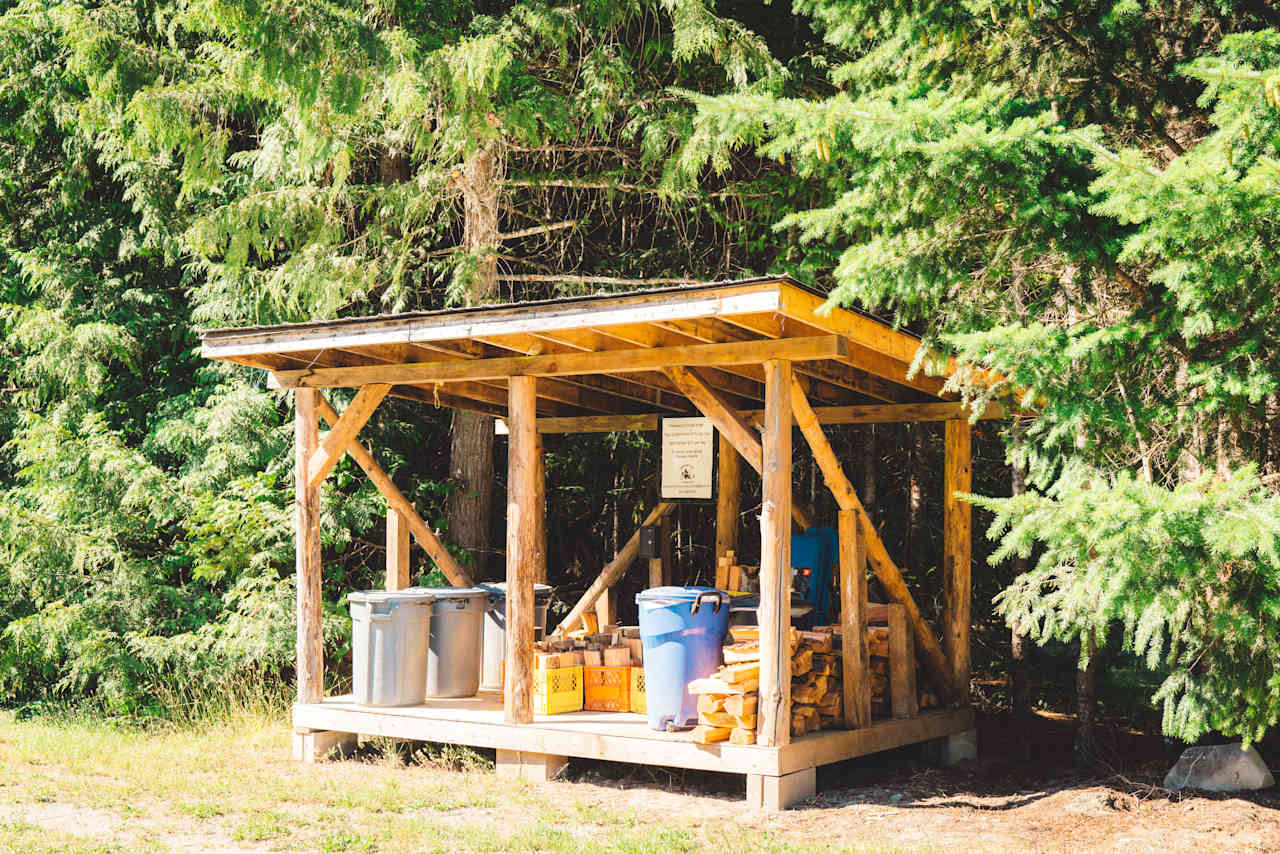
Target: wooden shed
757,357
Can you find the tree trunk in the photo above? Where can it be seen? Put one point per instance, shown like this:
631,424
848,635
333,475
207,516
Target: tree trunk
915,494
471,450
1019,643
1086,746
870,457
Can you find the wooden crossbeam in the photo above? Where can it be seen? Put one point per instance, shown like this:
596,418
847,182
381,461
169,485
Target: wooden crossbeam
720,412
886,570
568,364
732,427
397,501
334,445
876,413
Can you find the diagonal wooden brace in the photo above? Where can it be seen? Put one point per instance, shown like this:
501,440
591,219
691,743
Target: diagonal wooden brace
732,426
397,500
343,433
886,570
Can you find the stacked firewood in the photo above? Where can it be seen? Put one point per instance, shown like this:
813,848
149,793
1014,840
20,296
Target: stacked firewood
728,699
613,646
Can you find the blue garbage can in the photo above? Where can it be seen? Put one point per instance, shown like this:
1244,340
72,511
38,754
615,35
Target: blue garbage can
682,631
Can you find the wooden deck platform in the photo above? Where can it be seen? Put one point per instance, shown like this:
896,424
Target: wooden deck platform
617,737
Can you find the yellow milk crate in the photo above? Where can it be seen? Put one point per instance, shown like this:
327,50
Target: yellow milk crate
637,691
557,691
606,689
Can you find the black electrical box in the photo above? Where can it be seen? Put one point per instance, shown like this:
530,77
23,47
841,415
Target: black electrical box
649,541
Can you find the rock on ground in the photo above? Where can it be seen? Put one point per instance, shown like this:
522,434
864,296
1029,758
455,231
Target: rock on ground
1221,768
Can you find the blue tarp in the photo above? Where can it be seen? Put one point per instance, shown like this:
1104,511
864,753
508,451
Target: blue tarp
816,550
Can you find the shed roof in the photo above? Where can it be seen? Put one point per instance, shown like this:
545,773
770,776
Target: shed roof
598,354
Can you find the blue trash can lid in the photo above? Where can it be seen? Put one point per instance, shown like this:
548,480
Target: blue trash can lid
674,595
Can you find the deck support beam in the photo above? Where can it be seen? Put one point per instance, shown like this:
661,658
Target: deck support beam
957,555
310,645
523,550
311,746
775,560
771,794
533,767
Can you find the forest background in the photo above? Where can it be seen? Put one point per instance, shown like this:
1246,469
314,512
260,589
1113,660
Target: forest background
1081,196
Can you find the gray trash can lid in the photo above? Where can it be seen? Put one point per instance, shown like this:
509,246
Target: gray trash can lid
409,595
498,590
442,594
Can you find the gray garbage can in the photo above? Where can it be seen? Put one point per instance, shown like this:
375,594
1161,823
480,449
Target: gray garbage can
389,632
495,629
453,648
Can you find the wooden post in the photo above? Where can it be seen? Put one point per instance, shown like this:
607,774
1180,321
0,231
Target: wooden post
606,610
853,622
655,572
956,555
540,511
310,649
398,575
775,560
664,545
522,548
904,701
728,498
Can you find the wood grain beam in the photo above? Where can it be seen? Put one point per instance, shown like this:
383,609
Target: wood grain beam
567,364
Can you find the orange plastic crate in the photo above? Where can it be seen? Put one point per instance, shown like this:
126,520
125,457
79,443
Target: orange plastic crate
606,689
637,690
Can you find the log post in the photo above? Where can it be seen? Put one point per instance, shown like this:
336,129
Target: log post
775,559
855,660
398,575
664,546
523,551
310,644
728,498
540,511
957,555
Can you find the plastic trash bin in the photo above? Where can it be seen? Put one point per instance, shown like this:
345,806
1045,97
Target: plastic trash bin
453,646
495,629
682,632
389,646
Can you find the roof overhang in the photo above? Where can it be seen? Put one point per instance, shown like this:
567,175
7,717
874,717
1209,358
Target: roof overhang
606,354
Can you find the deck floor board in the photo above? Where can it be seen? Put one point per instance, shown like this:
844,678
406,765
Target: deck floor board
614,736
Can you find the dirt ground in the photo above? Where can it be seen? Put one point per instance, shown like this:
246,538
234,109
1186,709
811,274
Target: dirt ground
92,790
1021,795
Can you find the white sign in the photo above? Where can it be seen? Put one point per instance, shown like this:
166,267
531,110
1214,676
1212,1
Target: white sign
688,446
